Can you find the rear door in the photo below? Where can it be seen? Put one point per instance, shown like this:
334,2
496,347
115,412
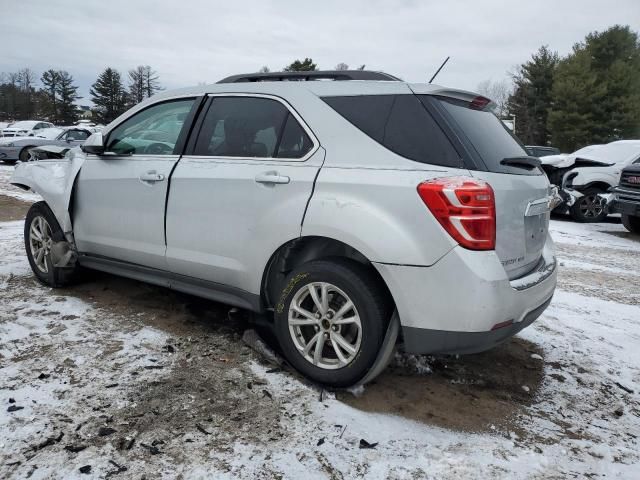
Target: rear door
521,192
120,197
241,190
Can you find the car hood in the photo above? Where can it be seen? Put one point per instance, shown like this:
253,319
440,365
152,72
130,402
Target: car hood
566,160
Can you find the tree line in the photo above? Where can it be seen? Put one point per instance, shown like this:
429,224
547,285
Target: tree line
590,96
55,95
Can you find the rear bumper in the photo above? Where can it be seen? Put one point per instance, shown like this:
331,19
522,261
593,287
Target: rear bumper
9,153
457,305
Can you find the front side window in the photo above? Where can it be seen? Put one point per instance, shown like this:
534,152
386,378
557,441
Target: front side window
251,127
153,131
400,123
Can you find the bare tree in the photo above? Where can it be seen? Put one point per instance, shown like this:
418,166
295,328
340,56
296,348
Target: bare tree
264,69
499,92
341,66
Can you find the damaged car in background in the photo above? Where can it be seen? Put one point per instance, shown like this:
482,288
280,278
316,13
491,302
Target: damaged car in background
625,198
584,177
23,148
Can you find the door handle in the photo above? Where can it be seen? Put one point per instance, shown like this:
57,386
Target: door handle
271,178
152,176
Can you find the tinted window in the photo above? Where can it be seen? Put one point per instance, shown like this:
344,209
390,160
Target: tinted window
492,141
402,124
153,131
250,127
294,143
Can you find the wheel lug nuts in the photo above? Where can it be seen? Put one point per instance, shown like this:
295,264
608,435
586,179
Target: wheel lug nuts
316,327
326,335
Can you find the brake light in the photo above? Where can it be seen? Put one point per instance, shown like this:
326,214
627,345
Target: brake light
466,209
479,103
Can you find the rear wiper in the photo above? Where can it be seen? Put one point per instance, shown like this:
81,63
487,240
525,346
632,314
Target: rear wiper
523,162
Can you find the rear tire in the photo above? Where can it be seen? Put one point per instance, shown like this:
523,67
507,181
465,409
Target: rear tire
588,208
304,321
631,223
41,231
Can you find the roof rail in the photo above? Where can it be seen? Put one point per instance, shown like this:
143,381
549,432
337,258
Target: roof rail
310,75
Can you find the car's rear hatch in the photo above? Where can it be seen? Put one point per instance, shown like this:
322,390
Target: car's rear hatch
521,189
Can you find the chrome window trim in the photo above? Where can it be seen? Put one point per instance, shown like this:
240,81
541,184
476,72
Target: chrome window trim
290,109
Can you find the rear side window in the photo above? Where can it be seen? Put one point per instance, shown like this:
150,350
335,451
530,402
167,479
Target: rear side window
251,127
402,124
490,138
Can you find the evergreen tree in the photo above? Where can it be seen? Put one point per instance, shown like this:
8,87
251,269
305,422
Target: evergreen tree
143,83
531,98
596,94
108,95
306,65
67,94
50,80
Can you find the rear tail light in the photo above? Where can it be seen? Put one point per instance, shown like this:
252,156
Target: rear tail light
465,207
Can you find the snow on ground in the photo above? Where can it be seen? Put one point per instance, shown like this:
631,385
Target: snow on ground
114,374
11,191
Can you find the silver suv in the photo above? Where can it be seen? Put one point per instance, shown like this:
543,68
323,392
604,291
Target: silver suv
356,213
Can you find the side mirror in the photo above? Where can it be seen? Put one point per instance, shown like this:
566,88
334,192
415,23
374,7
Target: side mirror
94,144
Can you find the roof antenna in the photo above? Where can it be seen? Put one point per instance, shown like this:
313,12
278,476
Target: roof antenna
438,71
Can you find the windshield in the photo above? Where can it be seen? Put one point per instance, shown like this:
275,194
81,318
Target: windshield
492,141
49,133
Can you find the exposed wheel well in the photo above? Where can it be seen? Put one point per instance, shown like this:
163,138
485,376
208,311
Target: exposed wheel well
302,250
604,186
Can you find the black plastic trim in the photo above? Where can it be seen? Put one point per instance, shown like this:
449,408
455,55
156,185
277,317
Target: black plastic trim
339,75
428,341
202,288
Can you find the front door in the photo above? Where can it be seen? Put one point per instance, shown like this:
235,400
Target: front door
120,196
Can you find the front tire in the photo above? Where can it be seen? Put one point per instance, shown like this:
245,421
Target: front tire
23,156
631,223
589,207
330,320
41,232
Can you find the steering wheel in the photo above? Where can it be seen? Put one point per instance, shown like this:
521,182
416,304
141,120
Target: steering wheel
158,149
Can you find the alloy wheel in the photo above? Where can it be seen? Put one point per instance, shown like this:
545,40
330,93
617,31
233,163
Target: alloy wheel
40,242
325,325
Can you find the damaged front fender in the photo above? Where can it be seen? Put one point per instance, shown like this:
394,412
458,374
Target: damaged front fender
53,180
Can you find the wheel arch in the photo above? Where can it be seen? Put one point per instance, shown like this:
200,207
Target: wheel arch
305,249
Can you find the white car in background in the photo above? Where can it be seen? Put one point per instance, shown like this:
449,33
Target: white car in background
24,128
585,175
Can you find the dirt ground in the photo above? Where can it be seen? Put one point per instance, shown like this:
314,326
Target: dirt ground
12,208
141,382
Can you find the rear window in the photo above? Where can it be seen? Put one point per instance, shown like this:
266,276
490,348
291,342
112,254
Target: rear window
400,123
488,136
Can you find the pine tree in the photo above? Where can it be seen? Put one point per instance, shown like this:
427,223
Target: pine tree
306,65
531,98
108,95
143,83
67,94
596,94
50,80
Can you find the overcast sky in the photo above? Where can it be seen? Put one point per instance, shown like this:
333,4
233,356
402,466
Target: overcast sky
193,41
